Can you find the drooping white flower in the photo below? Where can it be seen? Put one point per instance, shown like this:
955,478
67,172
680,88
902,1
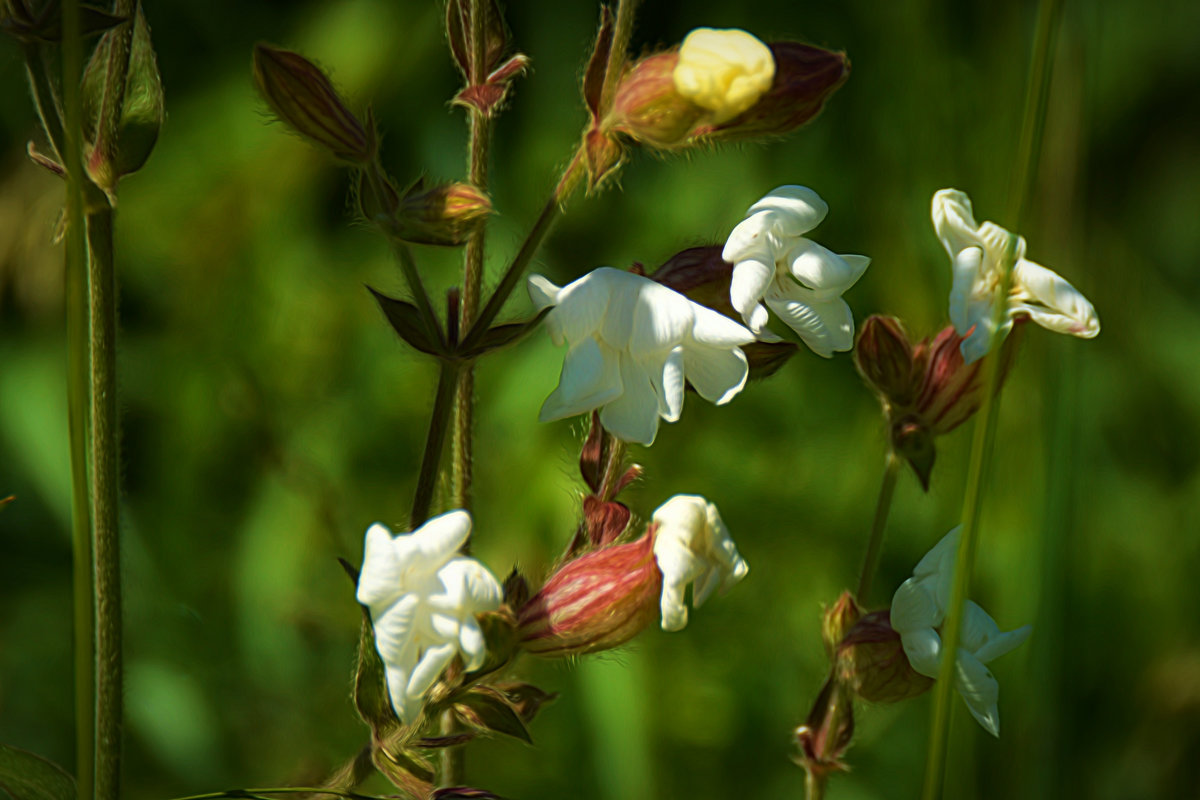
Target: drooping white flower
977,257
693,544
919,608
801,281
632,345
724,71
423,598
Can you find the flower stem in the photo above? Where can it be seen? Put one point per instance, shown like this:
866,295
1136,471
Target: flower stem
102,297
887,489
439,421
814,785
618,52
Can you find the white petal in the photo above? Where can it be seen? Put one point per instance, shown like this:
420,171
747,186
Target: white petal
584,304
940,558
713,328
379,582
705,585
472,644
981,691
1002,643
396,630
662,317
751,239
674,611
590,378
953,221
441,537
979,343
668,381
633,416
542,292
446,627
1056,304
966,274
826,327
433,661
821,269
923,648
397,683
747,287
977,627
914,607
718,374
794,209
468,588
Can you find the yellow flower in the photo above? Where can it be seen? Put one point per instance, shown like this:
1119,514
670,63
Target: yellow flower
723,71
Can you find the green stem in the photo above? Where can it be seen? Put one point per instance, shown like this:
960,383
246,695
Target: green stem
814,785
533,241
439,421
102,299
875,544
618,52
1033,118
77,397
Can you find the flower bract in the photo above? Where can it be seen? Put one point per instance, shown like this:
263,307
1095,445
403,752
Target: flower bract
632,345
723,71
977,254
798,279
692,544
919,608
423,598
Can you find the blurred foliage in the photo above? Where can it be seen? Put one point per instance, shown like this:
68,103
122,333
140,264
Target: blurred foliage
270,415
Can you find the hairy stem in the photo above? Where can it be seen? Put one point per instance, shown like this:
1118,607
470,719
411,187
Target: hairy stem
618,52
439,421
105,476
870,565
814,785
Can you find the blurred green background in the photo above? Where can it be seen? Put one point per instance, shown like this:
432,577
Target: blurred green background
270,415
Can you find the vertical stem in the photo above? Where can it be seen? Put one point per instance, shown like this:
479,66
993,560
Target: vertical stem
439,420
613,464
618,52
814,785
1033,121
102,299
77,401
870,565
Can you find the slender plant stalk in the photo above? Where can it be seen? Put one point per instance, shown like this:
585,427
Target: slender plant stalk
883,506
814,785
618,52
439,421
77,392
1032,124
105,475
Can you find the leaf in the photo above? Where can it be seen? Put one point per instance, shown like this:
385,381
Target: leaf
486,709
370,684
407,321
406,769
526,699
593,76
503,335
27,776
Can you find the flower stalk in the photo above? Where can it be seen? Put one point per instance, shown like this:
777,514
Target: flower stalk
435,440
883,506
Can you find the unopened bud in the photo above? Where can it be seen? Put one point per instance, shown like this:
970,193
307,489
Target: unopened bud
303,97
914,442
838,619
595,602
604,521
871,661
443,215
723,71
805,77
827,732
884,358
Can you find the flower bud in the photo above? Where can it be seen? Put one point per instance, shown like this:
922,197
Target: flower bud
649,109
805,77
827,732
884,358
723,71
302,96
595,602
871,661
442,215
838,619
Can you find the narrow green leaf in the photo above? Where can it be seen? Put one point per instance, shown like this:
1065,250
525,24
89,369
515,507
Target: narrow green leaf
370,684
406,321
486,709
26,776
503,335
526,699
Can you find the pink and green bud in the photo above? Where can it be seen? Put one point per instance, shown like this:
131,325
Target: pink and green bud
649,109
595,602
441,215
884,358
871,661
827,732
303,97
838,619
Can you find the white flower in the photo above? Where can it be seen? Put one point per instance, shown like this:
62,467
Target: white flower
724,71
633,342
692,544
423,599
919,608
800,280
977,256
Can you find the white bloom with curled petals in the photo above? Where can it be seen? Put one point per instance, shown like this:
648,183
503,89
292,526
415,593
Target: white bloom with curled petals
798,279
977,257
632,345
724,71
693,544
919,608
423,598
